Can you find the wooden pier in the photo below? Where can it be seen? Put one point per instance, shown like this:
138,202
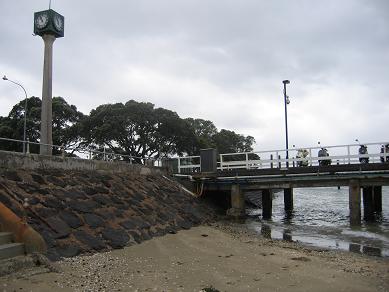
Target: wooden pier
364,180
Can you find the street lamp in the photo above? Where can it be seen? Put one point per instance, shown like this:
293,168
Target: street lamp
286,101
25,112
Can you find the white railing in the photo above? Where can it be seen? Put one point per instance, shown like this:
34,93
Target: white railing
337,154
87,152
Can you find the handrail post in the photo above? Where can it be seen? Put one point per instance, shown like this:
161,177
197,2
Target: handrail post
28,146
278,157
348,154
179,165
310,156
104,154
221,161
63,151
271,160
247,161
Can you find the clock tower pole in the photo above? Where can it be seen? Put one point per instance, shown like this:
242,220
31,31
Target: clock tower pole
49,25
47,94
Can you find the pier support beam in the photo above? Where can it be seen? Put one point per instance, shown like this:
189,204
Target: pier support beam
288,199
377,198
368,204
355,202
237,209
267,202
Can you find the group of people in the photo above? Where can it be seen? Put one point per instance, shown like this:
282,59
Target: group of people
302,155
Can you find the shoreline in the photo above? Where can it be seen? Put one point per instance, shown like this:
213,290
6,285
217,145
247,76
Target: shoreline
220,255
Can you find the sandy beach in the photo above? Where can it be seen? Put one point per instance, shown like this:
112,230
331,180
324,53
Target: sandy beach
220,256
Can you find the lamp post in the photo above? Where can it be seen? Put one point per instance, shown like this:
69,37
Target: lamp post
286,101
25,112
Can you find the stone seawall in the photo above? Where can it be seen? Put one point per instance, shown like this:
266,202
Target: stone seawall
85,211
15,161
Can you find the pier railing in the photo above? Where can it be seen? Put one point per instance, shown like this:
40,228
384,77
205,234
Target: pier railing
337,155
83,152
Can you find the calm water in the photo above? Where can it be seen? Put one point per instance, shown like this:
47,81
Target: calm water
321,219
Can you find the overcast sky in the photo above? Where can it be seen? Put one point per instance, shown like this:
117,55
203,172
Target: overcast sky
219,60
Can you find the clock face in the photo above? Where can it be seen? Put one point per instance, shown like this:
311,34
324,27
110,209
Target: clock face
41,20
58,23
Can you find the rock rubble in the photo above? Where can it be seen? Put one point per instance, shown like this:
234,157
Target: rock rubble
88,211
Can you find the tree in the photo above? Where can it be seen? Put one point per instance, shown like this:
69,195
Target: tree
230,142
203,131
65,118
136,129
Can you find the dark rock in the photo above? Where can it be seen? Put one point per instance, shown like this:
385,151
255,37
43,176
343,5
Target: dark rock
71,219
89,240
83,206
53,203
90,190
117,238
138,197
74,193
12,175
102,199
184,224
53,255
107,214
119,191
55,181
45,212
101,189
118,212
49,237
128,224
5,199
38,179
145,235
29,188
68,250
135,223
123,206
158,232
146,210
102,177
137,237
166,216
60,228
44,191
33,200
152,194
93,220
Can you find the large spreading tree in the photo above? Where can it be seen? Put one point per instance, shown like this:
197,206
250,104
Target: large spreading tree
65,124
136,129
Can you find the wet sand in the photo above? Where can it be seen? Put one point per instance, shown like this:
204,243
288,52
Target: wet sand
220,256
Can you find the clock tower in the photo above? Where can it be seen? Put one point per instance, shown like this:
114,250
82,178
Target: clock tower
49,25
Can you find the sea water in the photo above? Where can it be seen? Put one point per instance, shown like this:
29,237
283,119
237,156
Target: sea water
321,219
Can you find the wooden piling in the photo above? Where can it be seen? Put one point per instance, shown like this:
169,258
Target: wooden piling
237,209
267,202
377,198
288,199
355,202
368,204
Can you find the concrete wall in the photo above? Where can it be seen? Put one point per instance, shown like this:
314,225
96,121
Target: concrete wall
14,161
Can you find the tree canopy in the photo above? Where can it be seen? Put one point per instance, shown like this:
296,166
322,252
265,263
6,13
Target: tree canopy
65,123
130,129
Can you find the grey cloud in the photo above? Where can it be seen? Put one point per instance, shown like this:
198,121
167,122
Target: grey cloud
219,60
